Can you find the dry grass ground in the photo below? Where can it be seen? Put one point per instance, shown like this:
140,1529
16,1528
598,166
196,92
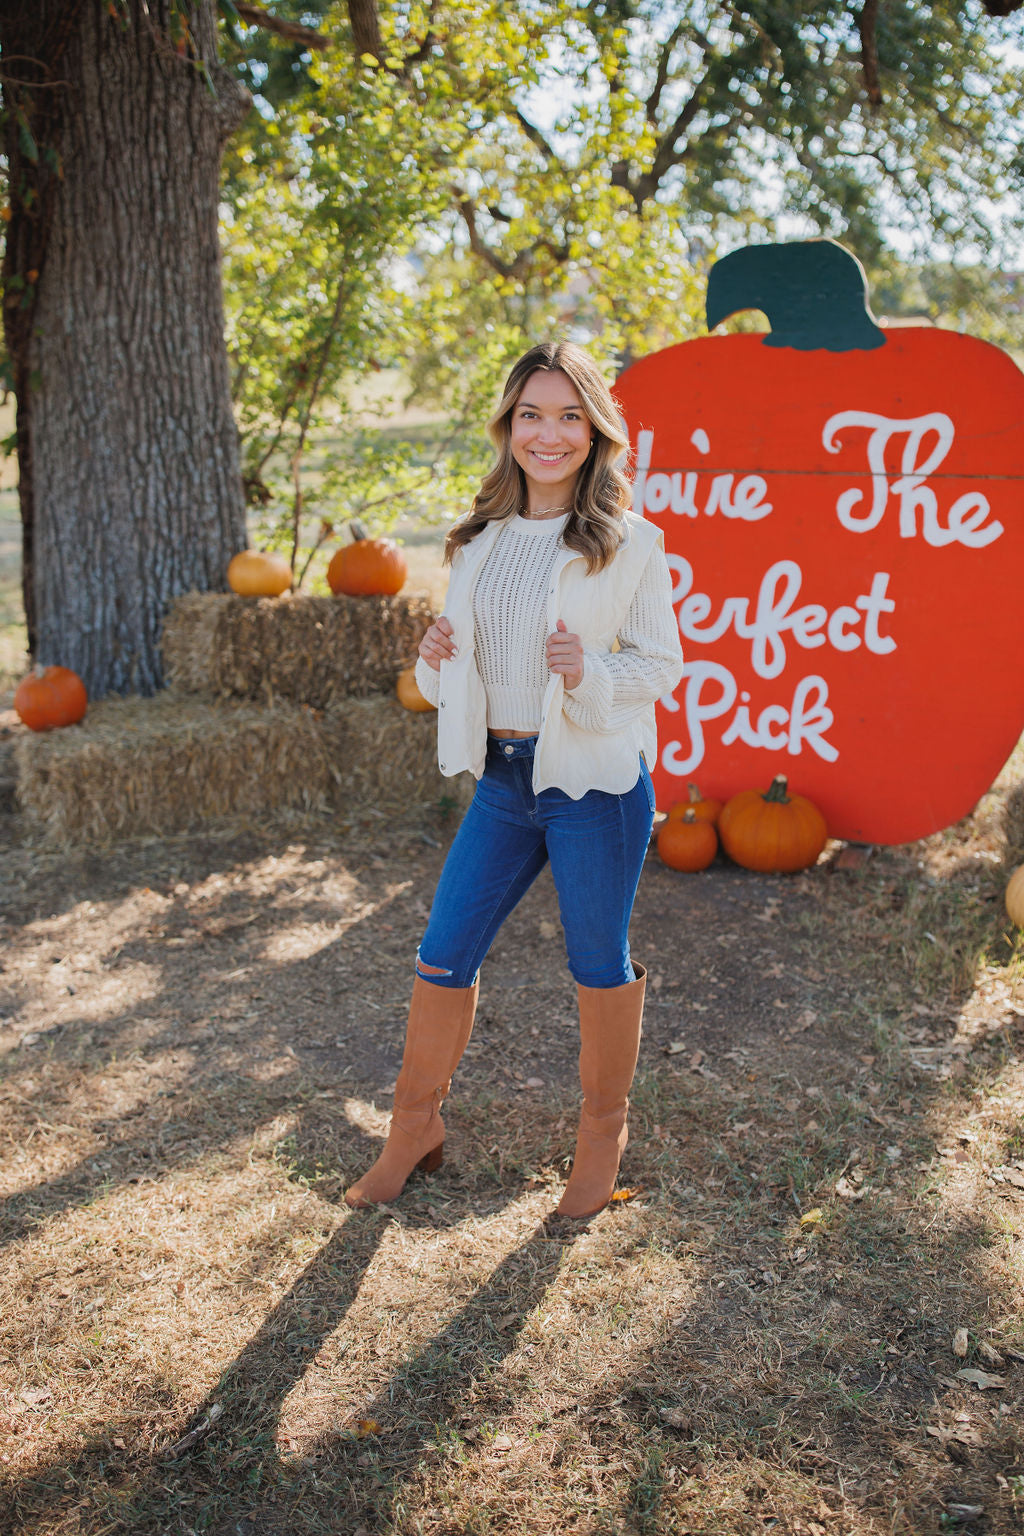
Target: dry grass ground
198,1037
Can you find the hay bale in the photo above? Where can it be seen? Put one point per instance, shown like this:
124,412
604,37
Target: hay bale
310,650
160,765
189,640
1013,825
384,757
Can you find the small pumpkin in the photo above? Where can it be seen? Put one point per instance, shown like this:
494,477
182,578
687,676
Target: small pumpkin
367,567
704,810
252,573
1015,897
51,698
775,832
687,842
408,691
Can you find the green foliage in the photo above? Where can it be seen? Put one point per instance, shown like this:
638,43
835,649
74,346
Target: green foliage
493,174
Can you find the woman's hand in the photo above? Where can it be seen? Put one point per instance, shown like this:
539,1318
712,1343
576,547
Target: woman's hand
565,655
438,644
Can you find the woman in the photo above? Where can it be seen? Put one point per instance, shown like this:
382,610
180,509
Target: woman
548,571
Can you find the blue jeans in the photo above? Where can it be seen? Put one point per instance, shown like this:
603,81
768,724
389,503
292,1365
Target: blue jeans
596,846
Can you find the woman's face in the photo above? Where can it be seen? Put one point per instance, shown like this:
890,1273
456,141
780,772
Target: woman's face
550,437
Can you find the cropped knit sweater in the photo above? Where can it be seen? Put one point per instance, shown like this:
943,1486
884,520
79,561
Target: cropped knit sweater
510,623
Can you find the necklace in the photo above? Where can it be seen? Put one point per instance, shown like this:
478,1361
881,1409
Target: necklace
547,511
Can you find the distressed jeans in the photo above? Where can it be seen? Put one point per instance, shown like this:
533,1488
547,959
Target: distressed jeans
595,845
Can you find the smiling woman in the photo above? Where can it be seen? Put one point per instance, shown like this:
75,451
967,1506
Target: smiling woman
550,438
557,638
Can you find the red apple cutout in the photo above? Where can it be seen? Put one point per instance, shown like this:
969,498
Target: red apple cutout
843,511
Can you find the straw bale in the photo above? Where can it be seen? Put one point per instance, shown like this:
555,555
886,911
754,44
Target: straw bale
384,757
154,766
1013,825
311,650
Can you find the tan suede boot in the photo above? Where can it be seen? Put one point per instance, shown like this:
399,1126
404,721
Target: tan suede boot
438,1031
610,1020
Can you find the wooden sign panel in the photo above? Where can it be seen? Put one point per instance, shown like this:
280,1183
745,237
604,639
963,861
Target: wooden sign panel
843,510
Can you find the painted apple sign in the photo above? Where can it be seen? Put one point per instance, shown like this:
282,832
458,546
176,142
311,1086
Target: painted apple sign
843,511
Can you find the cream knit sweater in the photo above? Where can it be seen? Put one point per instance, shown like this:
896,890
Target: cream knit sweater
510,625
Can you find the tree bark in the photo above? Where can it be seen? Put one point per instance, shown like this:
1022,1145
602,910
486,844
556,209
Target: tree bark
128,450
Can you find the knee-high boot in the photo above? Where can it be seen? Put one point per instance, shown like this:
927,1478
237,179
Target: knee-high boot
610,1021
438,1031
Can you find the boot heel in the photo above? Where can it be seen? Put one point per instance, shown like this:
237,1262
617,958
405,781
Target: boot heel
432,1162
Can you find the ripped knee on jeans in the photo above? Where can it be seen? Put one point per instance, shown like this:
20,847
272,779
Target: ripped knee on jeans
426,971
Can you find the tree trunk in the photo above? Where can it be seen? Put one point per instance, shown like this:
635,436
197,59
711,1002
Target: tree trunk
131,491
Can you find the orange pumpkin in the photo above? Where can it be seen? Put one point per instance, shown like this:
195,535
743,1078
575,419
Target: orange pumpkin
775,832
687,842
367,567
704,810
252,573
46,700
407,689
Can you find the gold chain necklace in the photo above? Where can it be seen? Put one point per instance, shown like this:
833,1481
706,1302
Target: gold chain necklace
548,511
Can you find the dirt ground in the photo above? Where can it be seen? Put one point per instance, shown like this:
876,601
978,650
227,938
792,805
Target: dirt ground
803,1317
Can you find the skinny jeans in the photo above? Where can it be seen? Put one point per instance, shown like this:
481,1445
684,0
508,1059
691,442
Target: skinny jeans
595,846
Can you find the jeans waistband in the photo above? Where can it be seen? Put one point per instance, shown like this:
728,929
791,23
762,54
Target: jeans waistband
509,749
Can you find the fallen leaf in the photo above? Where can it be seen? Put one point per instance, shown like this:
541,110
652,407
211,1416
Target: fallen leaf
676,1418
675,1048
988,1353
366,1427
502,1443
960,1343
812,1218
625,1194
847,1191
981,1379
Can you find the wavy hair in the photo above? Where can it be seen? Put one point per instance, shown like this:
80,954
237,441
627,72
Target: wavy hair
602,494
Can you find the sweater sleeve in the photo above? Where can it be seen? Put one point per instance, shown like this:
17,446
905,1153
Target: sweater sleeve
618,686
428,682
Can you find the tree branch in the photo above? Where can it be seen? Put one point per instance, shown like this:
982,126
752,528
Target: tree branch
866,22
291,31
661,78
365,22
535,136
518,267
666,155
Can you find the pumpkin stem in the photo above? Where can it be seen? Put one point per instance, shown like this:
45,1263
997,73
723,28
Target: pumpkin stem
777,790
689,816
357,530
814,293
695,795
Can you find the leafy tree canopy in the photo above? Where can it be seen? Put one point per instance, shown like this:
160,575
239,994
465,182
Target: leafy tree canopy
432,184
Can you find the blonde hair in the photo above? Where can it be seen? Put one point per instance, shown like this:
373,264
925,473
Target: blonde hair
602,493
